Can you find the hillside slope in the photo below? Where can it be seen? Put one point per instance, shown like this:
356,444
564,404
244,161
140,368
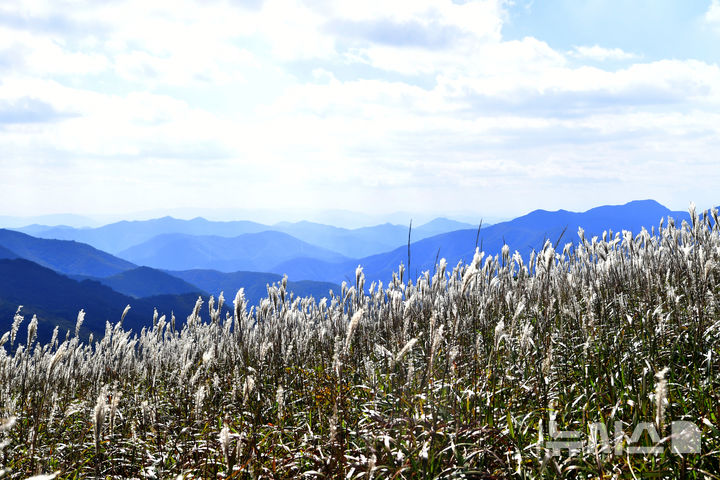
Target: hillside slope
63,256
57,299
253,252
145,282
358,242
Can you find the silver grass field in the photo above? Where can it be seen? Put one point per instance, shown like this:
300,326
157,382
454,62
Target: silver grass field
460,373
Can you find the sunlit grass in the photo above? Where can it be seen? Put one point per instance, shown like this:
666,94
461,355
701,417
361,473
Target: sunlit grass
454,374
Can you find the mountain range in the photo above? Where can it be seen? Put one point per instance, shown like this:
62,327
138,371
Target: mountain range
523,234
121,236
167,263
251,251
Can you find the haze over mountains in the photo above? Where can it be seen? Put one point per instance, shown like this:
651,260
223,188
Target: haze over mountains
168,263
120,236
251,251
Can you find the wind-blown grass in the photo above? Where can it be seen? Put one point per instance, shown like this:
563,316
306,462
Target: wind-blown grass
456,374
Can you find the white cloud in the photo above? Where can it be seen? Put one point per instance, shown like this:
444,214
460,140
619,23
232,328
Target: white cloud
712,16
320,99
43,55
601,54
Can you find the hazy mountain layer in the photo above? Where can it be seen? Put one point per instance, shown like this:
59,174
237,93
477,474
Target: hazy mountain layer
257,252
64,256
119,236
359,242
144,282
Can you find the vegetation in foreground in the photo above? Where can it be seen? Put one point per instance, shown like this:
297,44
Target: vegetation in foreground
460,374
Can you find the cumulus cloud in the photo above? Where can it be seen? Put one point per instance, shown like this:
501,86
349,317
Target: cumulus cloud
601,54
386,32
29,110
325,98
712,16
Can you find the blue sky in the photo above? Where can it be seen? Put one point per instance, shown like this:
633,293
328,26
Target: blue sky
652,29
480,108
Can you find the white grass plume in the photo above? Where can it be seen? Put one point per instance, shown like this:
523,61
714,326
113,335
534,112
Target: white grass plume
357,316
660,398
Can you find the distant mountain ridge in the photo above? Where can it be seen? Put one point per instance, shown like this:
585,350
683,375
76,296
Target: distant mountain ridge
90,266
63,256
79,221
439,226
280,253
522,234
33,269
120,236
257,252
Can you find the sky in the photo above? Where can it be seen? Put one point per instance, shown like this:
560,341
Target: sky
488,108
